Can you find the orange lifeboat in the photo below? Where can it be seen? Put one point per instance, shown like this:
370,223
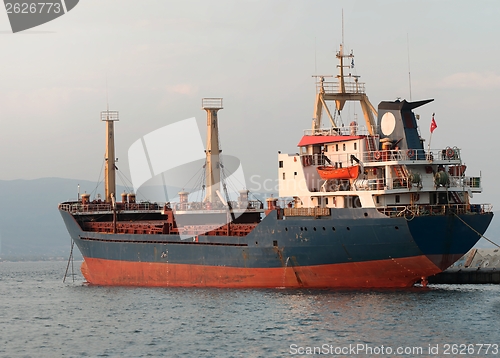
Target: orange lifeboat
338,173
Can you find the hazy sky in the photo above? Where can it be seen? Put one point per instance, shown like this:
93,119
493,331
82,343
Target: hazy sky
159,58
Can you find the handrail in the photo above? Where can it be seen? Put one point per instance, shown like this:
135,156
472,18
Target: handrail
379,156
421,155
196,206
433,155
410,211
334,87
464,183
78,207
339,131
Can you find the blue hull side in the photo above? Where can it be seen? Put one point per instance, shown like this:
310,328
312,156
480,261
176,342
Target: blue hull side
347,236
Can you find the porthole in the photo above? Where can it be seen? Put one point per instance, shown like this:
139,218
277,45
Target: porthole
324,228
314,228
366,214
396,227
333,228
348,228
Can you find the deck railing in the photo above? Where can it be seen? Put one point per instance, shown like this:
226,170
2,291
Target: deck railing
195,206
377,156
410,211
405,182
445,155
334,87
78,207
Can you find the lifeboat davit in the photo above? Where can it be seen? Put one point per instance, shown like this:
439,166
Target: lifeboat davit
327,173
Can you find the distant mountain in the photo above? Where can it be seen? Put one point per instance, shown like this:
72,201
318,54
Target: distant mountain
30,224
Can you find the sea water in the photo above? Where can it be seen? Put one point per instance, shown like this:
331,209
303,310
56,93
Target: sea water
40,316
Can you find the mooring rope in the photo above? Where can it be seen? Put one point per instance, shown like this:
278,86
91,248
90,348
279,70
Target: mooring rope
70,259
477,232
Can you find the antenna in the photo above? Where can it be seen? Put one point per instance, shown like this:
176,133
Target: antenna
107,100
342,27
409,72
315,61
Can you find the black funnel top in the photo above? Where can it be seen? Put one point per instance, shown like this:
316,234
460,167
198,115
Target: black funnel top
403,105
398,125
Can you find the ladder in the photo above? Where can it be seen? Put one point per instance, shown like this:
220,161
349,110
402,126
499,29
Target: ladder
402,174
455,197
371,145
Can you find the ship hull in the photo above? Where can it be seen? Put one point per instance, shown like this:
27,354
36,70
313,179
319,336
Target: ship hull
352,248
370,274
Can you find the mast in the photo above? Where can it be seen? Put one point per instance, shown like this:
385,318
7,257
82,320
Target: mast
110,169
341,91
212,165
345,89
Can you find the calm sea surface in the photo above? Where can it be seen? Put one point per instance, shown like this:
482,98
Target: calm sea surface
40,316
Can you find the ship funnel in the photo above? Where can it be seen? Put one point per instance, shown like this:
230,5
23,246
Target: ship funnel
397,124
212,165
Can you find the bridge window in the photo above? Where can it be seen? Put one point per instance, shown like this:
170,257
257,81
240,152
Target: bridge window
280,164
343,147
398,199
355,146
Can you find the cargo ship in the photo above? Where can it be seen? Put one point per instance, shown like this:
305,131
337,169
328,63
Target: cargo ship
358,207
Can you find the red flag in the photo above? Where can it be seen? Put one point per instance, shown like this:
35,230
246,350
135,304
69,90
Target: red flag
433,124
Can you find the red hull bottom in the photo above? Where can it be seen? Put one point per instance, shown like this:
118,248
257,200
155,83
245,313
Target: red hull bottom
403,272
